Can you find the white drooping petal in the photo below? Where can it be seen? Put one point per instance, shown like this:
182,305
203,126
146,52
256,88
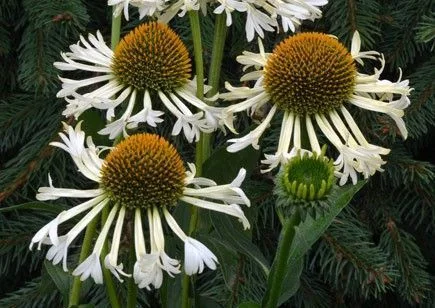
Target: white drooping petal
197,181
353,157
146,271
230,209
59,252
197,256
90,267
229,193
139,240
85,158
282,154
53,193
254,136
146,115
111,260
191,124
117,127
48,234
149,267
145,7
394,109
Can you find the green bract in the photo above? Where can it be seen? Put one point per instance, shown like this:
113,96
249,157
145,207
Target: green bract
304,183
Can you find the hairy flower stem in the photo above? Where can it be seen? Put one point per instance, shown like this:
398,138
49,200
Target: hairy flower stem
278,272
74,297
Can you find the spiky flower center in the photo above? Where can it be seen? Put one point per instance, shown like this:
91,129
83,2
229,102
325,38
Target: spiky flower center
152,56
308,177
309,73
143,171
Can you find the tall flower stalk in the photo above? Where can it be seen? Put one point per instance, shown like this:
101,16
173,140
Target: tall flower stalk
90,230
203,147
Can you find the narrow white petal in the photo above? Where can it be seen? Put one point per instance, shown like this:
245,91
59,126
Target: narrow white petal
173,225
98,247
139,241
231,209
90,267
196,255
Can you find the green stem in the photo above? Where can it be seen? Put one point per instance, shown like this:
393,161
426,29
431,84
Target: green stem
185,300
116,31
277,273
197,52
213,79
202,150
86,247
131,287
108,279
220,33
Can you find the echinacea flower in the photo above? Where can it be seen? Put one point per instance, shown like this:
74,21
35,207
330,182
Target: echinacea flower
152,62
311,77
142,176
262,15
145,7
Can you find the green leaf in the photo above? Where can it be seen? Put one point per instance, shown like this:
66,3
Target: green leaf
309,231
232,235
203,301
39,206
291,282
249,305
223,166
228,258
61,279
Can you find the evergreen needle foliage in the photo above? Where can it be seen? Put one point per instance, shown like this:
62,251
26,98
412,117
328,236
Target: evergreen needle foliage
379,252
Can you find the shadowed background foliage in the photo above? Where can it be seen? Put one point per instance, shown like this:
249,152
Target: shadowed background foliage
379,252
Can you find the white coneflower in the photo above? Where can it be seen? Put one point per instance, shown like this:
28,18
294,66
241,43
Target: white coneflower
145,7
262,15
312,76
143,175
150,61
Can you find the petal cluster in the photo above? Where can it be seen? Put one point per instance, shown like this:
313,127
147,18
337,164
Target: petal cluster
151,258
355,153
261,15
110,92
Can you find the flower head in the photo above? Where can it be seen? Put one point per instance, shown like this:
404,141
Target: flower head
151,61
305,184
145,7
143,175
265,15
261,15
312,76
